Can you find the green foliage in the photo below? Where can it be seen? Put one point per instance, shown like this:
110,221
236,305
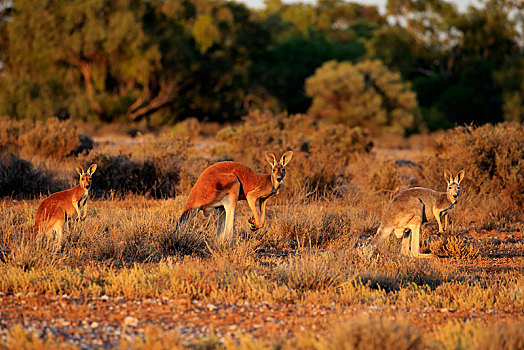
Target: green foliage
367,94
463,65
84,57
205,32
511,80
283,67
215,59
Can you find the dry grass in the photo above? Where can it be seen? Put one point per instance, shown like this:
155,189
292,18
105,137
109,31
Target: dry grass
130,248
314,248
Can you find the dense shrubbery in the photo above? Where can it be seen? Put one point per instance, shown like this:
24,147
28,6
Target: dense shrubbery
157,166
20,179
48,139
492,157
321,151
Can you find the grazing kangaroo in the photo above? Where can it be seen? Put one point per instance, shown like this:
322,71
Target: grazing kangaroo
412,207
223,184
55,209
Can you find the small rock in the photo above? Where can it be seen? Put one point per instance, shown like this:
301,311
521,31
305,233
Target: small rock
104,298
94,324
211,307
130,321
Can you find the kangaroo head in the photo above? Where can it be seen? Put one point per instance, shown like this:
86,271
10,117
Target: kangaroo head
453,190
278,171
85,178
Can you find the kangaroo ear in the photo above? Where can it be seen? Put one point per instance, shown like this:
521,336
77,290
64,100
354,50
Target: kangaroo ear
448,176
460,176
80,170
286,158
92,169
271,159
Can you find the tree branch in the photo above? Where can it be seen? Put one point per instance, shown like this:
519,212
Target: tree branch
168,92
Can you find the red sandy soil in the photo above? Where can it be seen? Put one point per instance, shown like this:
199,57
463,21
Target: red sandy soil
106,321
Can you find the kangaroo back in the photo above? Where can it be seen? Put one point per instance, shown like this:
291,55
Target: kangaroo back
223,184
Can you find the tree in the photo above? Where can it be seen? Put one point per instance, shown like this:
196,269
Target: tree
283,68
86,58
511,80
366,94
127,59
455,60
303,37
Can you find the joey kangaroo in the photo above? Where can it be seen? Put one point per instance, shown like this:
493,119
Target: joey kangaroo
223,184
412,207
55,209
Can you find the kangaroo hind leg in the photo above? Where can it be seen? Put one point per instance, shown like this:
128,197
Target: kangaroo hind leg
415,240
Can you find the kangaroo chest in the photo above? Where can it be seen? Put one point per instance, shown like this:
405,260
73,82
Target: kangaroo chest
82,201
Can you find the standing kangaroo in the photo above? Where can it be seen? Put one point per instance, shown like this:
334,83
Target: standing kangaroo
55,209
412,207
223,184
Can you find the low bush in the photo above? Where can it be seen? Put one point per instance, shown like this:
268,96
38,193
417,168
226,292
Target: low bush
375,333
493,159
20,179
159,167
476,335
312,271
52,138
454,247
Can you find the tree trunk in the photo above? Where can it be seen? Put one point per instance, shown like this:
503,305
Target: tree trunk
168,92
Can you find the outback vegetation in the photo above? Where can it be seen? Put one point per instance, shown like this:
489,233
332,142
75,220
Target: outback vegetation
154,92
314,250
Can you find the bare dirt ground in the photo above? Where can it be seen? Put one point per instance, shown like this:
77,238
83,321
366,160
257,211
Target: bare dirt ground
107,321
104,322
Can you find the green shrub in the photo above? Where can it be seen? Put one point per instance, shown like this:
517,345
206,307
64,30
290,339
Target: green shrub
366,94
